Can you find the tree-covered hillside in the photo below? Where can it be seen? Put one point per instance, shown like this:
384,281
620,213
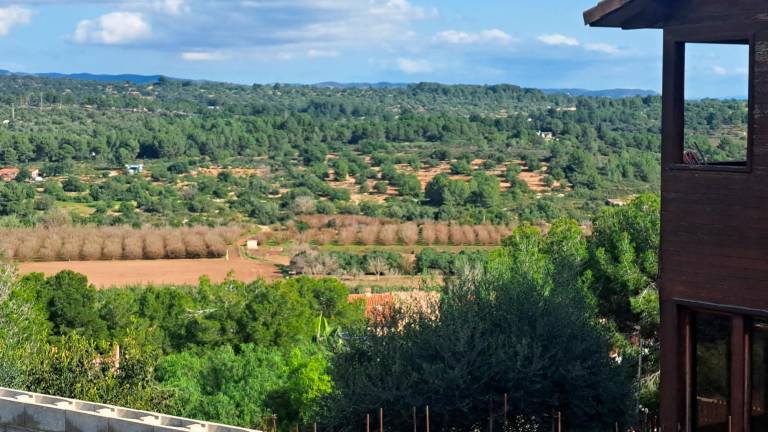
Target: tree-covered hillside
508,153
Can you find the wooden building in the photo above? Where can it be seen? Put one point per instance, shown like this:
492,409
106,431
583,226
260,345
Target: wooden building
714,241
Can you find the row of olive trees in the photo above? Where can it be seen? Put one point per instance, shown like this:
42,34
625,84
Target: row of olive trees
116,243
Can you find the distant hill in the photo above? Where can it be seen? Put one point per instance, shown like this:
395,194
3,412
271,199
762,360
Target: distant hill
149,79
610,93
137,79
378,85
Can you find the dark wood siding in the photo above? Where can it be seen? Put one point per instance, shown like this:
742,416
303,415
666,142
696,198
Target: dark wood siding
714,239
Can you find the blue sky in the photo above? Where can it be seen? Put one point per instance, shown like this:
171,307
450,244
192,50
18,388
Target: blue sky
534,43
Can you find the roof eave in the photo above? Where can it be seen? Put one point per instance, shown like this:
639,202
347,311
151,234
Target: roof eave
627,14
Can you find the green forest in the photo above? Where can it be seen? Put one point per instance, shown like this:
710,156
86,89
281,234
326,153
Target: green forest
217,153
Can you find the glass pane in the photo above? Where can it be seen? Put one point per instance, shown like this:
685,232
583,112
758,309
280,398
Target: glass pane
712,372
759,376
716,109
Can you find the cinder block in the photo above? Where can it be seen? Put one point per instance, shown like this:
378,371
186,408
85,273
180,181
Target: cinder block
45,418
11,412
86,422
123,425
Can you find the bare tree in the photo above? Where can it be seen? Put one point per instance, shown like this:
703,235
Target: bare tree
304,205
377,266
409,233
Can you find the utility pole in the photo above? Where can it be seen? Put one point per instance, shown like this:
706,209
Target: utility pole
13,112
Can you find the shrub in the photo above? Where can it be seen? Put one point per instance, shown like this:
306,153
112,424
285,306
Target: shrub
388,235
368,235
408,233
441,233
154,248
133,246
347,235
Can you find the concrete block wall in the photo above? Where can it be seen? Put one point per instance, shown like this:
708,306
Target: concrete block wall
31,412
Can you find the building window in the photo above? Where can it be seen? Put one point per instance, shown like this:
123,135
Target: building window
759,376
711,372
716,113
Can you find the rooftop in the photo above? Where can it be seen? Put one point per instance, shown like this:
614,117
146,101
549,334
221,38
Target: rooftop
628,14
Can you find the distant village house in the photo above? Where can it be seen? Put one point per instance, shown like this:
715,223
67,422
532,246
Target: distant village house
546,136
133,169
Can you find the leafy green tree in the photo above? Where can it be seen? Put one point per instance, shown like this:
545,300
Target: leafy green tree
486,190
245,387
71,305
488,337
624,255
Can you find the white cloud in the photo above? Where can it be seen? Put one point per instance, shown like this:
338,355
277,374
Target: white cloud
262,30
12,16
558,39
113,29
414,66
722,71
492,36
171,7
400,9
603,48
203,56
316,53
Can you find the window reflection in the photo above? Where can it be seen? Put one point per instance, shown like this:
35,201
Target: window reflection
712,384
759,376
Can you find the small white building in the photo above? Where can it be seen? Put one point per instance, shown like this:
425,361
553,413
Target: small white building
546,136
252,245
133,169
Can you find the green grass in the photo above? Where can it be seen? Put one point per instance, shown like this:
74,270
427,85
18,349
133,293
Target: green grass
79,208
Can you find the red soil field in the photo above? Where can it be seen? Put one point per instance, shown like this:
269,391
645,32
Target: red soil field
106,274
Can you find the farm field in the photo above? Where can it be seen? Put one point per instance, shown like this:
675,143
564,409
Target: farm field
106,274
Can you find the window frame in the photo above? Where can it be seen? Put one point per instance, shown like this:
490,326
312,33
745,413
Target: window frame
741,355
674,103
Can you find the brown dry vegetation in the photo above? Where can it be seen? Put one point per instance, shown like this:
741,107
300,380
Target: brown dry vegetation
348,230
116,243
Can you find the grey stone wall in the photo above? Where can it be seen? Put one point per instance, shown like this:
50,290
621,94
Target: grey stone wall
32,412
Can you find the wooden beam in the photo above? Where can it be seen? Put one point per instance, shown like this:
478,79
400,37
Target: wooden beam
628,14
602,9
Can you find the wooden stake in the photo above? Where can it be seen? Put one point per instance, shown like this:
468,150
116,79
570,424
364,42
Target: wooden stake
414,419
367,423
314,427
274,422
381,419
506,408
427,418
490,414
559,422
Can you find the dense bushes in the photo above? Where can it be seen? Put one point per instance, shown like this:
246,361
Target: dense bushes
544,348
233,353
